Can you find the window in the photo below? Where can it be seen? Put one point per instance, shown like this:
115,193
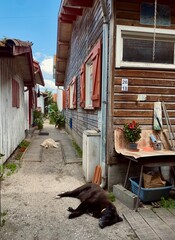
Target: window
72,94
135,47
15,94
163,15
89,84
90,79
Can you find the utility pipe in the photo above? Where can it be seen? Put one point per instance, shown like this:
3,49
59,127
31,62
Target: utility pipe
104,94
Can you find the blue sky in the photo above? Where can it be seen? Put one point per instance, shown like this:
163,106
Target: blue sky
34,21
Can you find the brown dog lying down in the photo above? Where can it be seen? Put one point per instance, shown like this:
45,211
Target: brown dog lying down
94,201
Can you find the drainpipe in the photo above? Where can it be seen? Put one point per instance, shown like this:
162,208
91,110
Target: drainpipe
104,94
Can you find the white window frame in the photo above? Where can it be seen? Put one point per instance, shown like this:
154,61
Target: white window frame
142,32
89,85
71,92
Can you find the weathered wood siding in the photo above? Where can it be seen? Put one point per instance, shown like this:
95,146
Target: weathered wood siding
157,85
86,31
128,12
12,119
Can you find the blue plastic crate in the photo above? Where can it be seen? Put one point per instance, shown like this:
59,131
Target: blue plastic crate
149,194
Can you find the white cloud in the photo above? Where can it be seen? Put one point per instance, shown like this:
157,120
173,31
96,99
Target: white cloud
49,85
37,56
47,66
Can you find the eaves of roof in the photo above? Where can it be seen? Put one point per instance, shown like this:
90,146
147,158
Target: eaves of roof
38,73
21,51
70,10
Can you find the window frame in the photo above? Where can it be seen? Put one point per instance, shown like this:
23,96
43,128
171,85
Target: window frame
141,32
72,93
89,85
94,58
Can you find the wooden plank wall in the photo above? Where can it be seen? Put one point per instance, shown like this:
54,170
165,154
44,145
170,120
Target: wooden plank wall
157,85
128,12
12,119
86,32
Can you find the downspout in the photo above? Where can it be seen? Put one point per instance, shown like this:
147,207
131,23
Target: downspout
104,94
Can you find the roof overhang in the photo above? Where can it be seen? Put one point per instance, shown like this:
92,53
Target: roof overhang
21,52
38,74
69,12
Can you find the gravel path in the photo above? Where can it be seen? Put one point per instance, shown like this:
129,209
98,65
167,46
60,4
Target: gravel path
33,213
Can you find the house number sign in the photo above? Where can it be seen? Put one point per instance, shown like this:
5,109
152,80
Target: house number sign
124,84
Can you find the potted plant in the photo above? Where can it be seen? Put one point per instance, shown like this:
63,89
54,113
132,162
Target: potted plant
132,133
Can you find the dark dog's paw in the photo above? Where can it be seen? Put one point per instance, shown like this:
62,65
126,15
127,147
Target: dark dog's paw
70,209
59,195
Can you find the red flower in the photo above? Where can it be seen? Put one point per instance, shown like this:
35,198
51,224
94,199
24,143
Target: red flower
132,125
132,131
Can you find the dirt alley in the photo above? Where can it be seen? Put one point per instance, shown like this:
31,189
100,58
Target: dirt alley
28,196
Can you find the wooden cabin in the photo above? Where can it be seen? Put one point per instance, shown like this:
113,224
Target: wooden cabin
115,59
19,74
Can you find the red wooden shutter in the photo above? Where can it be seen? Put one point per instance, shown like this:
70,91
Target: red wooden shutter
74,100
15,94
82,86
96,91
64,99
68,97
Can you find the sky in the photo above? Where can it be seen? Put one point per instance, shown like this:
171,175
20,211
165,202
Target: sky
34,21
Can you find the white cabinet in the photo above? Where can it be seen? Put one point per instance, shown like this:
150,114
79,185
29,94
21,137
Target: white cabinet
91,153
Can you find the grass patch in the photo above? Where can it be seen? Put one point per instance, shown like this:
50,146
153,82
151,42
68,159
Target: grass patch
10,167
3,214
167,203
21,148
111,196
24,143
77,148
18,155
1,170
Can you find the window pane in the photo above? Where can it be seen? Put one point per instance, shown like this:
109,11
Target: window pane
89,79
138,50
71,95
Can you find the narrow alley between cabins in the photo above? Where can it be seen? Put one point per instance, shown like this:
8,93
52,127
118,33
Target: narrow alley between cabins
28,195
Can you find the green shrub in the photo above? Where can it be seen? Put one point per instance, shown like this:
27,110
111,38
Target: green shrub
38,119
60,120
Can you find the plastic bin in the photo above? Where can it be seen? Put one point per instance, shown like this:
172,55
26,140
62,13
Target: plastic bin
149,194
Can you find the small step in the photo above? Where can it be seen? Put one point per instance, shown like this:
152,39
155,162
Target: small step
125,196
